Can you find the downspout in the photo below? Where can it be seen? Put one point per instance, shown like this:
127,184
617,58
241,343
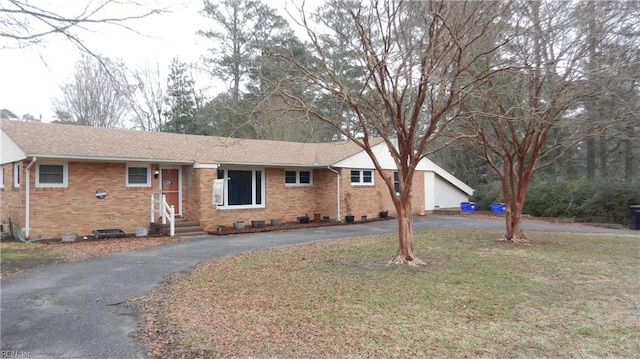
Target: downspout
338,191
27,188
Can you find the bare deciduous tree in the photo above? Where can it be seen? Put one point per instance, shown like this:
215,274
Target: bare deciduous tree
529,116
411,64
145,94
25,23
95,95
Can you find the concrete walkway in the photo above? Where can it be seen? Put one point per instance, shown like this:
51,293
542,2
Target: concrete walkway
73,310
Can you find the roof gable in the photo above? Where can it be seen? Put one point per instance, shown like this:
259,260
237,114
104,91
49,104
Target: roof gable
9,150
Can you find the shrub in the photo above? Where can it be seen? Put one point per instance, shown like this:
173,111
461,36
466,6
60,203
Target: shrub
556,199
486,194
610,202
589,201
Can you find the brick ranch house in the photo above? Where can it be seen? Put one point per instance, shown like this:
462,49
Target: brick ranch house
58,179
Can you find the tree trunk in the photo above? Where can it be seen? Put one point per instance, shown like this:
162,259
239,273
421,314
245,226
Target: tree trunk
513,218
514,195
405,253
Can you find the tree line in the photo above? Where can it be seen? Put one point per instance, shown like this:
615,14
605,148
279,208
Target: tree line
493,90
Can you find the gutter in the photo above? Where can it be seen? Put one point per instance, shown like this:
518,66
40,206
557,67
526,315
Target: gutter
338,190
27,199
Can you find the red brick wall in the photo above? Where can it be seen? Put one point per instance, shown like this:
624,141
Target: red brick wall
55,211
370,200
75,209
281,202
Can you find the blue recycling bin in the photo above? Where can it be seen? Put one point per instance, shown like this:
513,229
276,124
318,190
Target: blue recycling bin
467,206
497,208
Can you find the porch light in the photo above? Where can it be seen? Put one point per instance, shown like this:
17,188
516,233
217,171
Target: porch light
156,173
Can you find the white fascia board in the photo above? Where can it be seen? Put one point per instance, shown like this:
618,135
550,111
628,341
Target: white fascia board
278,165
109,159
9,150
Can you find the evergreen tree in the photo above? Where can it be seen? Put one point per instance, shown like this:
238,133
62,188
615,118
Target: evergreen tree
181,99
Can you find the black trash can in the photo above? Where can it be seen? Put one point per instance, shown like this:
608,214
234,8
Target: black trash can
635,216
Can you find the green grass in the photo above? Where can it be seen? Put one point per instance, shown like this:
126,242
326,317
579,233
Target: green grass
17,256
567,295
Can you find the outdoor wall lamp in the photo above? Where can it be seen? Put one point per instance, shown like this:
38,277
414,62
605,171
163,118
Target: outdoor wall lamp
156,173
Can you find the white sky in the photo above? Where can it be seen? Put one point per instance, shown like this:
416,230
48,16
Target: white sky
30,77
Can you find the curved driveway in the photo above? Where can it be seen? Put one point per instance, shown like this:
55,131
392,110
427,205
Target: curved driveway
73,310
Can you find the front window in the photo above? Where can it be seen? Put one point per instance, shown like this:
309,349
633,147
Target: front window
51,175
297,178
138,176
242,188
1,177
362,177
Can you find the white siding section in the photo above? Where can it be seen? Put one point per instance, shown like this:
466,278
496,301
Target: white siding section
9,150
429,191
447,195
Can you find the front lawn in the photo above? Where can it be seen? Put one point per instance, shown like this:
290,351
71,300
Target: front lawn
567,295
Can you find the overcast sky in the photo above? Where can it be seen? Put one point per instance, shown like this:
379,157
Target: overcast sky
30,77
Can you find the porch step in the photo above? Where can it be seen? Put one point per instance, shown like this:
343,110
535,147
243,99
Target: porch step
183,228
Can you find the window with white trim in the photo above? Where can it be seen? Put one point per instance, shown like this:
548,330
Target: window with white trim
362,177
16,174
243,188
1,177
298,178
51,175
138,176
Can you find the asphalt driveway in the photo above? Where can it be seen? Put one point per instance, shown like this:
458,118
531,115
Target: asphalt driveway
74,310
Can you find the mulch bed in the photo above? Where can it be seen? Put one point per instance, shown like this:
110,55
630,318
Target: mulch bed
227,230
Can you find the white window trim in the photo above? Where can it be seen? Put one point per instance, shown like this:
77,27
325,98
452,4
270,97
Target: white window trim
1,177
361,183
298,184
65,175
263,179
16,174
138,165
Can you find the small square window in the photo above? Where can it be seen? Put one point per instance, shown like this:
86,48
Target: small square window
355,176
367,176
51,175
138,176
290,177
305,177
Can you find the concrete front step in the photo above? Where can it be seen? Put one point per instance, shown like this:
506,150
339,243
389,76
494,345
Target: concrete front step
182,228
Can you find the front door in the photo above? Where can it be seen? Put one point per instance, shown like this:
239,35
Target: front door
170,187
